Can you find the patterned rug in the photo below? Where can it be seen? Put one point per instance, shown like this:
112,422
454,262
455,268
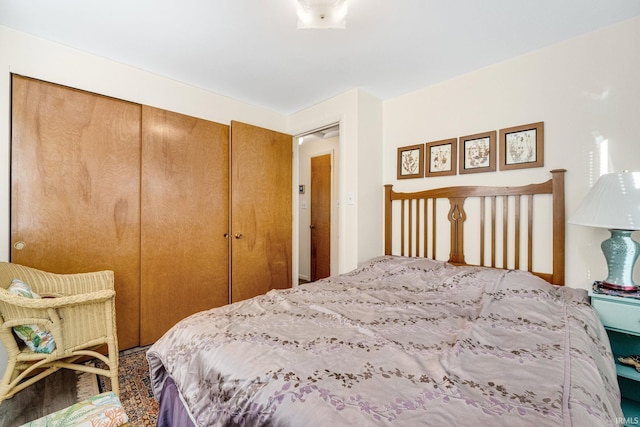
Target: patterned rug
135,387
53,393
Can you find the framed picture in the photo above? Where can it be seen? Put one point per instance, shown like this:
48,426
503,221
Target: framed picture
441,158
411,161
522,146
477,152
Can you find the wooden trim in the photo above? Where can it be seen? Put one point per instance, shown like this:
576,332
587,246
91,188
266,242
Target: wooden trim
505,230
388,220
493,235
452,160
410,248
426,228
457,217
539,147
434,228
482,227
419,172
487,157
517,232
402,227
558,225
417,228
530,233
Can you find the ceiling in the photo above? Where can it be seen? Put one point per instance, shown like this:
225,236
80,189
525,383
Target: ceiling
252,51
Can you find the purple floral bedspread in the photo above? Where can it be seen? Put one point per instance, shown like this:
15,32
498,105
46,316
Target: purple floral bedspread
399,341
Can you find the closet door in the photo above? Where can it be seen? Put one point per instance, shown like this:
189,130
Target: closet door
75,192
261,217
185,217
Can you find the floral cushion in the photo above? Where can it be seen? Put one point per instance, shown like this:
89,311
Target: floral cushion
103,410
38,340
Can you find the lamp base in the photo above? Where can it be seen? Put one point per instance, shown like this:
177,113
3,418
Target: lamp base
621,253
625,288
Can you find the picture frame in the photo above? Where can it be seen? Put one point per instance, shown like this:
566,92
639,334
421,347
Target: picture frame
411,161
442,158
477,152
522,146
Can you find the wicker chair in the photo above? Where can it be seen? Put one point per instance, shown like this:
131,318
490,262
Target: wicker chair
78,310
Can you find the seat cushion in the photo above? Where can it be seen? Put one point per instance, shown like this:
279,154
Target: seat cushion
102,410
37,339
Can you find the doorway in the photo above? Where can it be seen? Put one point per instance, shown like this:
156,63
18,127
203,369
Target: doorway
318,210
320,227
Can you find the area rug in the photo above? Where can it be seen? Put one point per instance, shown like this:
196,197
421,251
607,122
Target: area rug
65,387
86,385
55,392
135,387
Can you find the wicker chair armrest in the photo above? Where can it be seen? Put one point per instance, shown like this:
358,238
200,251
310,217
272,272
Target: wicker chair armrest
59,302
40,321
44,282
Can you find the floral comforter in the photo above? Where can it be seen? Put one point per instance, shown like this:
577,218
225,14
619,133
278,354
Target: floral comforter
399,341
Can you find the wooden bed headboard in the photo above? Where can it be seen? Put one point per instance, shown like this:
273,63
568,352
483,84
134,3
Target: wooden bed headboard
418,230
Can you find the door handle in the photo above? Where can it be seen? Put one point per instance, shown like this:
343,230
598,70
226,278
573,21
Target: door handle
312,226
238,236
225,235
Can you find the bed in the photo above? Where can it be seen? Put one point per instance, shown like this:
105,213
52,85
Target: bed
406,339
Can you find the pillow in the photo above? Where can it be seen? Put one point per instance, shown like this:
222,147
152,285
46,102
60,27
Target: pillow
38,340
102,410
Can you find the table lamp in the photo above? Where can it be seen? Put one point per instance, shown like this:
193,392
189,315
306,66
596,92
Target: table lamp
614,203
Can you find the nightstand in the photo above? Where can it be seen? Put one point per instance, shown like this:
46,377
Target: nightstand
621,318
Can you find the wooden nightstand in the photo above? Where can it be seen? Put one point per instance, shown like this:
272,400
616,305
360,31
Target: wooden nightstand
621,318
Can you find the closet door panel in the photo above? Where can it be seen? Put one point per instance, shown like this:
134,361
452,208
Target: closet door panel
75,192
261,217
185,216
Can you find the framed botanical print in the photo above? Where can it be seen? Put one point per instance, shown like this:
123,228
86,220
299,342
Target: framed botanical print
441,158
411,161
522,146
477,152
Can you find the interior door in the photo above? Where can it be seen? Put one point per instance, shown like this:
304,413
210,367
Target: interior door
75,188
320,217
185,219
261,211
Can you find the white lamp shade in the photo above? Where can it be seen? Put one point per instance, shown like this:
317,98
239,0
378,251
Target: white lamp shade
613,203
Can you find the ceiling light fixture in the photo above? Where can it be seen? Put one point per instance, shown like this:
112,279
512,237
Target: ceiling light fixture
322,14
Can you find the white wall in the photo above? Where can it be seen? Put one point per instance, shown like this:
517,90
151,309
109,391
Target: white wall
586,90
359,115
369,177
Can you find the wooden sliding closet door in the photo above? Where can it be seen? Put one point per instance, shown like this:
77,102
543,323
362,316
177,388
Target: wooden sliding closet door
261,217
185,217
75,167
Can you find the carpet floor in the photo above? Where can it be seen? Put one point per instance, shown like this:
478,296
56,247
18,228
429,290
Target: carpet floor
135,387
65,388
